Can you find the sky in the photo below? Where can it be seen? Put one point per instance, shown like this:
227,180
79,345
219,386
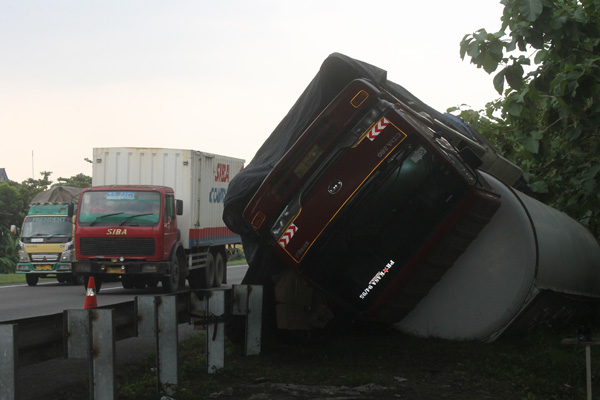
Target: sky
215,76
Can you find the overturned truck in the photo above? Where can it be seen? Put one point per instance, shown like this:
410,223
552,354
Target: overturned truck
367,204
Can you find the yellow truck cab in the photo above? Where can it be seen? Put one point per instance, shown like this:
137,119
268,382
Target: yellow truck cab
46,246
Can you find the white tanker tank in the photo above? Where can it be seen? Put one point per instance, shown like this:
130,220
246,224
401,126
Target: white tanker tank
530,264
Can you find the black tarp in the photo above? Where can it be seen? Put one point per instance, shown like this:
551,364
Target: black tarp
58,194
335,73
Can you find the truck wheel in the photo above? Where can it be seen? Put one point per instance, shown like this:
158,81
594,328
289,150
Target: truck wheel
176,280
219,270
139,283
127,282
203,278
31,279
207,274
76,279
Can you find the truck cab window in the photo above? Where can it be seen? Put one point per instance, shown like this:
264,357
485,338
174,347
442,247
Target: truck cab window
169,207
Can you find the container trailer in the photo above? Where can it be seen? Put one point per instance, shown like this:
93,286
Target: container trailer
154,215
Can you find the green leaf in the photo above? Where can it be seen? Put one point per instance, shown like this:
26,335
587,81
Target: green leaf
499,82
514,108
593,171
489,63
540,56
514,76
537,135
531,145
481,35
539,187
531,9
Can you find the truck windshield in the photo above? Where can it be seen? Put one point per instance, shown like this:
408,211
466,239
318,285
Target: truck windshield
130,208
391,218
47,226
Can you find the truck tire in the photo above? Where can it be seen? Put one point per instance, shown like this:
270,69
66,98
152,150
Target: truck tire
127,282
76,279
176,280
31,279
203,278
219,270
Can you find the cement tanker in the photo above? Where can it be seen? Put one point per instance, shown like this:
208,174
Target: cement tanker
530,264
366,204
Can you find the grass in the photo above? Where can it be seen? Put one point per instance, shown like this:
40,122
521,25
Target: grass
383,364
6,279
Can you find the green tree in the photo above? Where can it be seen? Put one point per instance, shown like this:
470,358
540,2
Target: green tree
12,206
79,180
29,188
546,60
9,248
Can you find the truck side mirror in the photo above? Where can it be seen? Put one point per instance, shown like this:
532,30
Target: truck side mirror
71,210
179,207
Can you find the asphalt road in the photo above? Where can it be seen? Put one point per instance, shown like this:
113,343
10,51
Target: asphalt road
21,301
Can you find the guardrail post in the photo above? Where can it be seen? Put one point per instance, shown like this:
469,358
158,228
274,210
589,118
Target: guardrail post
209,306
145,308
167,336
90,334
157,317
9,362
215,332
247,300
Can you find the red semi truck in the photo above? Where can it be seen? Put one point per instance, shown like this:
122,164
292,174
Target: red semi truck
154,215
372,204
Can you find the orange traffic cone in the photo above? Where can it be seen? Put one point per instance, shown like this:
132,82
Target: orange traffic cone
90,296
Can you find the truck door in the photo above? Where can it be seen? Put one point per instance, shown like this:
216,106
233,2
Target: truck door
170,225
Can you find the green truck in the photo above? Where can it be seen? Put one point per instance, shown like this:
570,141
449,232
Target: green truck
47,246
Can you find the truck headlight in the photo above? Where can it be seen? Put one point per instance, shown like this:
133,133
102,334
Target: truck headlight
23,257
66,256
289,213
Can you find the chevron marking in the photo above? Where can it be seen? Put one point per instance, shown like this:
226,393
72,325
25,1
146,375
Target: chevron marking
380,126
287,236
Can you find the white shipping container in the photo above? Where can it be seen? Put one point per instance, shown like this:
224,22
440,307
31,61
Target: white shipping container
199,179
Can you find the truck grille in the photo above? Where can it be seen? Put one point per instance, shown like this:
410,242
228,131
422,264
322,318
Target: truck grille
127,247
44,257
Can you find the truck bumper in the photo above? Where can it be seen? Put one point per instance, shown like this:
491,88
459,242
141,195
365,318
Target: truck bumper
56,268
124,268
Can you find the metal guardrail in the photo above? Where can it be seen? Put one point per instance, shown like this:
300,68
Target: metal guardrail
92,334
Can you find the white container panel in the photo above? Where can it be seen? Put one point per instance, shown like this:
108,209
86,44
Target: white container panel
216,173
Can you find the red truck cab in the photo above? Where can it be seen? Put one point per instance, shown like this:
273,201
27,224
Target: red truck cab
371,204
129,231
